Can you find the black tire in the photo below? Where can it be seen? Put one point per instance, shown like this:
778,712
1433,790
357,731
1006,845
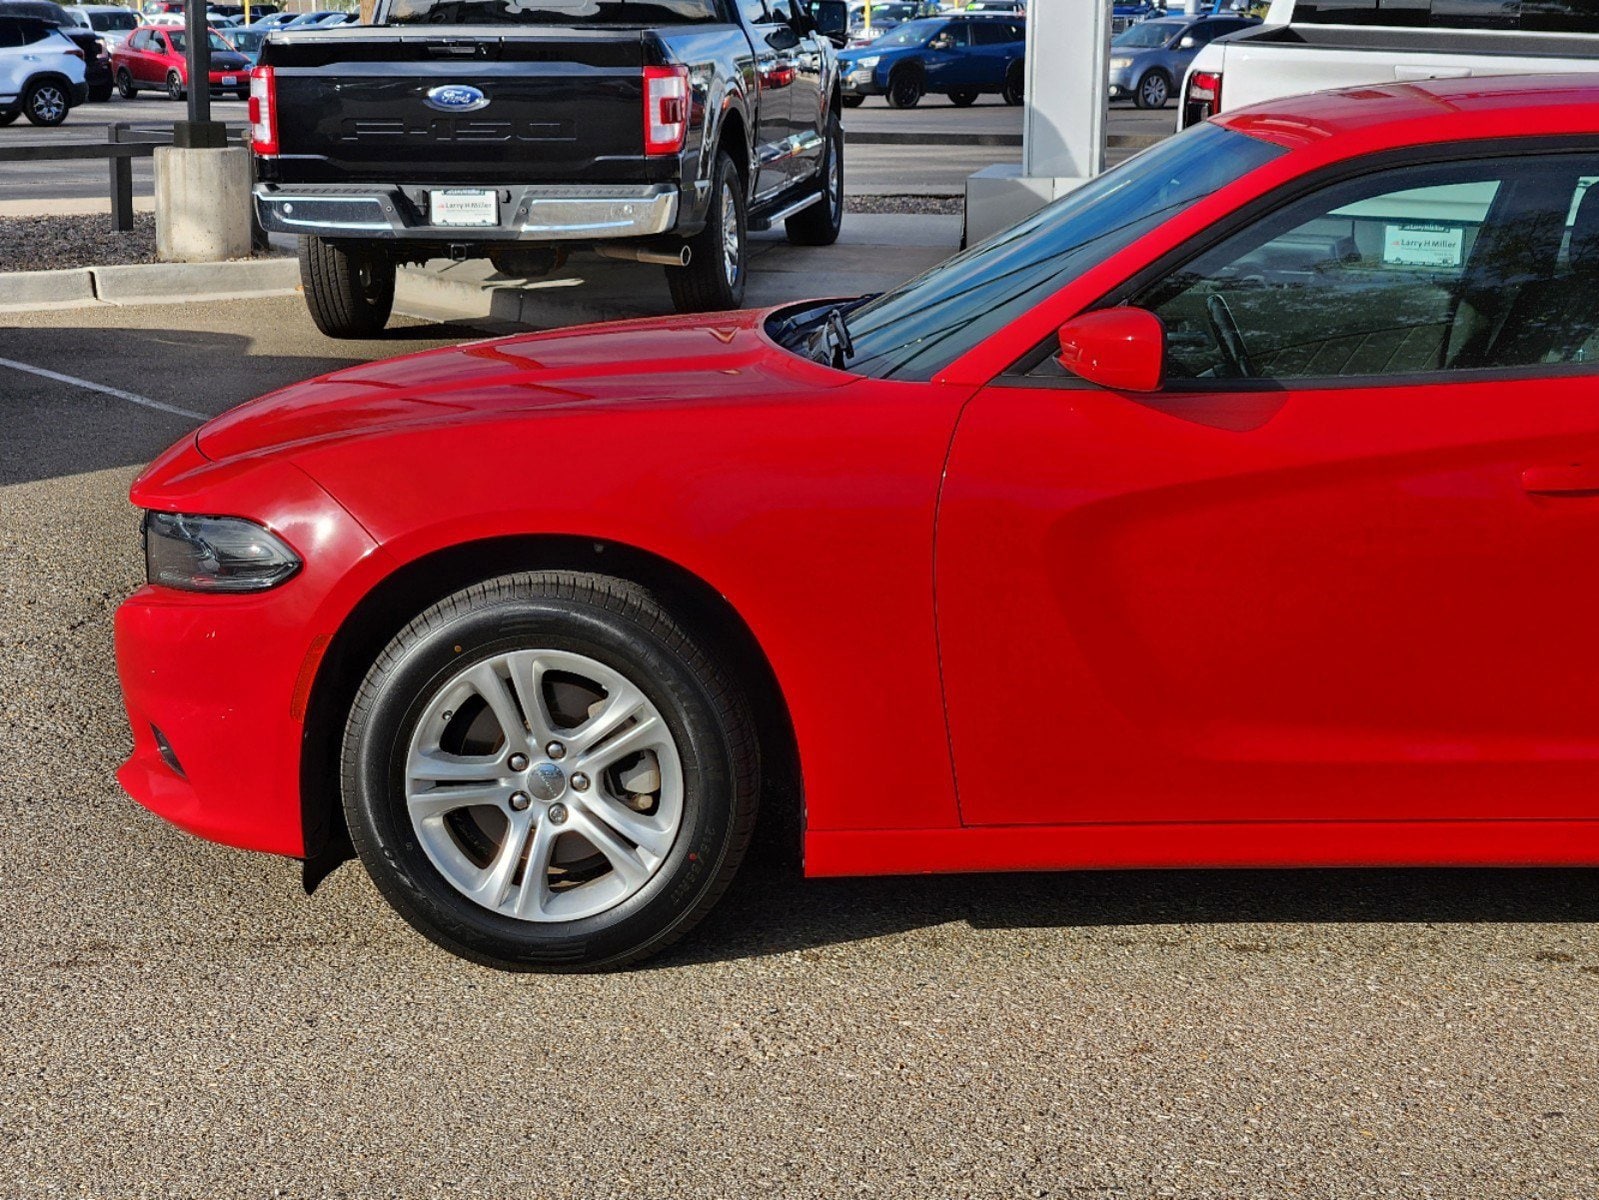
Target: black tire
99,95
1153,90
906,86
854,101
350,293
46,103
125,84
175,88
1015,84
819,224
8,117
963,97
710,283
610,621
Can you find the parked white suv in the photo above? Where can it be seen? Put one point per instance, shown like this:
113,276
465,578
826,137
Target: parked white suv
41,72
1316,45
110,22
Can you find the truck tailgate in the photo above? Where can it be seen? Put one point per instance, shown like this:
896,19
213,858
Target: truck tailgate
559,104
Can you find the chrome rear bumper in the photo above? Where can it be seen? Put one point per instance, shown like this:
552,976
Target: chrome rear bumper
528,212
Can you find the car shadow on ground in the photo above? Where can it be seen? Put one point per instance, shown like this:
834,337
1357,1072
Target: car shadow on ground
770,910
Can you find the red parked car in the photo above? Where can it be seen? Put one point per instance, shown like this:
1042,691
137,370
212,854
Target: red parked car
1235,510
152,57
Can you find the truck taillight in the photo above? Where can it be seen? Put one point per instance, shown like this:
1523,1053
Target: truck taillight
1203,100
665,109
263,111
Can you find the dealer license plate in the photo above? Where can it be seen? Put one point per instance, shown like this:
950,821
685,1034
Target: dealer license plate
465,206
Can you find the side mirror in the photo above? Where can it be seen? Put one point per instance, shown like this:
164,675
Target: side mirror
1119,348
831,17
1187,43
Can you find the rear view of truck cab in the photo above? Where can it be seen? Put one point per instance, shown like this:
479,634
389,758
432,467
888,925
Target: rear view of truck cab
661,133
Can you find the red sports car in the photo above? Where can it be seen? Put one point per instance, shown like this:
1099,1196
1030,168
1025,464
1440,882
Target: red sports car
1238,509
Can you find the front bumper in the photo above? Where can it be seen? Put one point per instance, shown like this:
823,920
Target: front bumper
1123,82
528,212
860,83
216,686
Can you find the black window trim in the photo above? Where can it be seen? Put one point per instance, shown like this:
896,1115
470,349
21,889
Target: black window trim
1016,374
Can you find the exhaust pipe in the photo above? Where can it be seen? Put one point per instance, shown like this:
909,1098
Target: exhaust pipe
661,258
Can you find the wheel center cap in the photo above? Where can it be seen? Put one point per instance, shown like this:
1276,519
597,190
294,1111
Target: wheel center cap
546,780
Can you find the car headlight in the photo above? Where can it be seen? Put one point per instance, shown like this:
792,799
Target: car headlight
1120,64
867,63
214,554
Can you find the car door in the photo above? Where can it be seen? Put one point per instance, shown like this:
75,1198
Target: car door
996,44
806,102
947,59
775,44
1337,567
13,72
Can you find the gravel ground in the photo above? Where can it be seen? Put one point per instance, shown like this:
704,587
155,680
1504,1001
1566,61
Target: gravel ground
905,204
55,243
179,1020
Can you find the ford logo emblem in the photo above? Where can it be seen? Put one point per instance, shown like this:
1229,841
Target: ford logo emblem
456,97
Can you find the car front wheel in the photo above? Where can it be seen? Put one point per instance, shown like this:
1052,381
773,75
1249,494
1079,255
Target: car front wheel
46,103
906,87
547,771
1154,90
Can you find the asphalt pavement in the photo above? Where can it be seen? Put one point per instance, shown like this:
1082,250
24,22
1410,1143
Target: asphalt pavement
177,1019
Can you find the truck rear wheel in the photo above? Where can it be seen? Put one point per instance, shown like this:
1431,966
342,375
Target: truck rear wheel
350,293
719,253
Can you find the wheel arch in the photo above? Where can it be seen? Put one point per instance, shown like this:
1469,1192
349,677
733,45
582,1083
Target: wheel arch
396,599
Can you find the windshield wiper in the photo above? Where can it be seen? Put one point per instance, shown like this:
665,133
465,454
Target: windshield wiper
831,342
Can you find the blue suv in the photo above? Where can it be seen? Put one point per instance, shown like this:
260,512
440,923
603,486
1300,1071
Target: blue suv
961,56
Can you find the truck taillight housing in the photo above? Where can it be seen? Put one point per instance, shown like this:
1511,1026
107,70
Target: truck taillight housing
1203,99
665,109
264,111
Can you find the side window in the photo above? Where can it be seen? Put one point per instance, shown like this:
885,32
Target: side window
1409,271
138,40
754,11
954,36
993,33
10,34
780,10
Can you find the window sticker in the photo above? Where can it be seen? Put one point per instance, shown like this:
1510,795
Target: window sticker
1422,245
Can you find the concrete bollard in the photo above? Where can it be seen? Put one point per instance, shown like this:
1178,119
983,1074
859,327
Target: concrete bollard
202,204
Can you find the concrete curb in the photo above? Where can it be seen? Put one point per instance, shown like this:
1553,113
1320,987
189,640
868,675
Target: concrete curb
148,283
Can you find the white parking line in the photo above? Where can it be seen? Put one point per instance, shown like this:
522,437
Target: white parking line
90,386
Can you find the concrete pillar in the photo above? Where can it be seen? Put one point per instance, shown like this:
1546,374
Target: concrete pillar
202,204
1063,126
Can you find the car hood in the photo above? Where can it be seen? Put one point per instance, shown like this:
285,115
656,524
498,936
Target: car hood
692,361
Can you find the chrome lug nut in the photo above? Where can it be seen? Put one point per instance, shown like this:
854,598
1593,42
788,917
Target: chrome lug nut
557,814
555,750
520,800
580,782
518,762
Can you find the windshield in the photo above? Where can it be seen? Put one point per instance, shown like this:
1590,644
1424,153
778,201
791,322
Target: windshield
105,21
1147,35
912,33
180,41
883,14
248,40
549,12
921,327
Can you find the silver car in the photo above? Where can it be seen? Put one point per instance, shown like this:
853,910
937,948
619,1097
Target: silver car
1149,59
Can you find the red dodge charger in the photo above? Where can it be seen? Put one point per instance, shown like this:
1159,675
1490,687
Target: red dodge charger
1239,508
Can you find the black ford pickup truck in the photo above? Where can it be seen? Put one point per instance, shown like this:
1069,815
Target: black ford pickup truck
660,131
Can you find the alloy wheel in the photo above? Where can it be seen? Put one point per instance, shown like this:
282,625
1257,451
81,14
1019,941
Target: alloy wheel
730,238
48,105
544,785
1153,90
